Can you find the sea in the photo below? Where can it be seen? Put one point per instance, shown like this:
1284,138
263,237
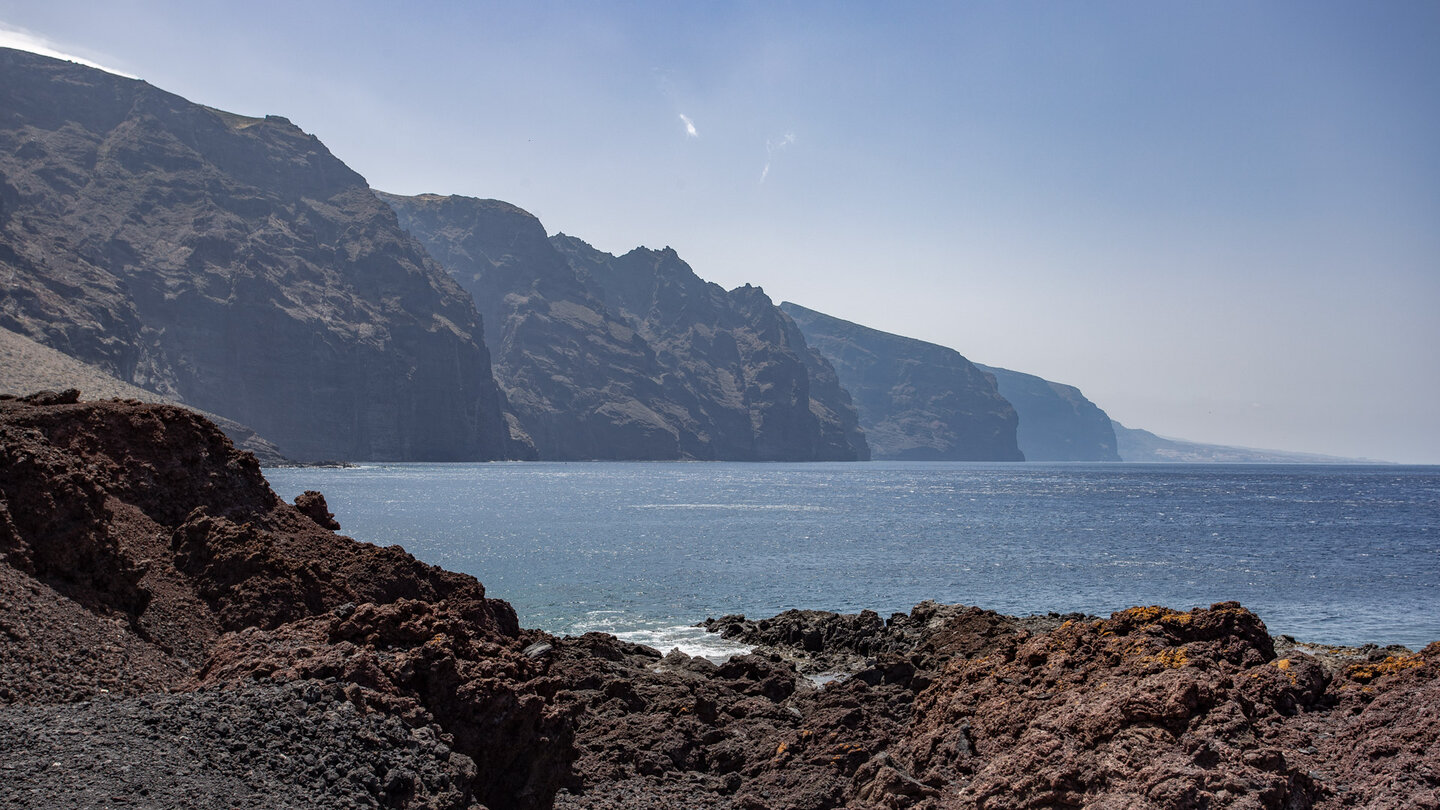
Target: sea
1328,554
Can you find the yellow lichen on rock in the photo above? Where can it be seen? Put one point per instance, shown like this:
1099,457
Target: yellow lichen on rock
1168,657
1365,673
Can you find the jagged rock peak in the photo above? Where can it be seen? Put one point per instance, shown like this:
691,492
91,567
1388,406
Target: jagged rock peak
633,356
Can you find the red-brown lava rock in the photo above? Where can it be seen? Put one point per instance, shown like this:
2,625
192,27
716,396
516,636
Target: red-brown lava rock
172,634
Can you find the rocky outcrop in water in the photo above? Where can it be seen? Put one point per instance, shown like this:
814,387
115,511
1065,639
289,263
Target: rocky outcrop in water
1057,422
233,264
917,401
173,635
633,357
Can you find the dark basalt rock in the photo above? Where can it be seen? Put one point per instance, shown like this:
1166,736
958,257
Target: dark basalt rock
235,265
140,552
312,505
632,357
1149,708
917,401
1057,422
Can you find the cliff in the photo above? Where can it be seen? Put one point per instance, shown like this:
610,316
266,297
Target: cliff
630,358
917,401
173,635
735,348
1057,422
235,265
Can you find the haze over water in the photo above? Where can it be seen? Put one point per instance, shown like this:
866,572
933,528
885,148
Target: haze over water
1333,554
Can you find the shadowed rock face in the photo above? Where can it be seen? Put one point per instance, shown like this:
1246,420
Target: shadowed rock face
233,264
723,344
917,401
632,357
1057,422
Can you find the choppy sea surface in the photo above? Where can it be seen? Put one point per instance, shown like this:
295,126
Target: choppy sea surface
1330,554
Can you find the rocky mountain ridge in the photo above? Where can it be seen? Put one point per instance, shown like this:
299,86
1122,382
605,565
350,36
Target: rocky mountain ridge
922,401
235,265
633,357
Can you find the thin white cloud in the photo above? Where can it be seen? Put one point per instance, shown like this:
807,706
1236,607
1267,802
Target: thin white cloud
22,40
689,126
771,148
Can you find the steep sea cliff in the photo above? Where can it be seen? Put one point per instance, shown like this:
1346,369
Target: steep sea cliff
917,401
635,356
234,264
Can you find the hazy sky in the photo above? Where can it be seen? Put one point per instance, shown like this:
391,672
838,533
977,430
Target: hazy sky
1221,220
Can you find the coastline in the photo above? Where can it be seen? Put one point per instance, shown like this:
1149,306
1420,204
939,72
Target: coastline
171,629
1329,555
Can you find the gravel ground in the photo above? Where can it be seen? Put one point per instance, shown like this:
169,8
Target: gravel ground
296,745
27,367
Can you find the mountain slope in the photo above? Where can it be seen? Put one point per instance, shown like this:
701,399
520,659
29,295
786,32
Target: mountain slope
232,264
1057,422
916,400
593,368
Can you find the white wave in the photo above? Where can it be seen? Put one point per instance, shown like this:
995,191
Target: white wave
693,641
748,507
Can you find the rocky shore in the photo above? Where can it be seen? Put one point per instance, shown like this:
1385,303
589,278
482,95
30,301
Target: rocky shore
172,634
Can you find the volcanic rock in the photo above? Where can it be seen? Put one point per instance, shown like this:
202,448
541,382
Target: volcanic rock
312,505
260,746
174,635
26,367
141,551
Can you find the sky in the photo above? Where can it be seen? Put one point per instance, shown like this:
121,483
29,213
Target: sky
1220,220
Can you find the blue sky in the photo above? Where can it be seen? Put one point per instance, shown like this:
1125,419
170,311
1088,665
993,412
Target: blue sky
1221,220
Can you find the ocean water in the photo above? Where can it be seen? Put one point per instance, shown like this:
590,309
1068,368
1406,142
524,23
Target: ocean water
1330,554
